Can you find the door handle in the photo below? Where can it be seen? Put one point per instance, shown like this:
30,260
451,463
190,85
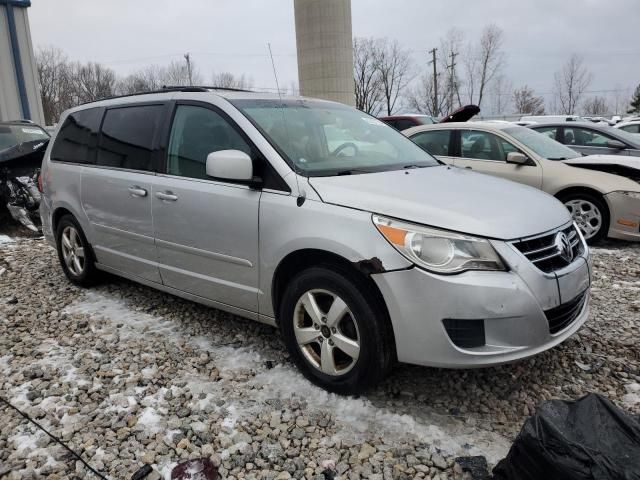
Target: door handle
166,196
136,191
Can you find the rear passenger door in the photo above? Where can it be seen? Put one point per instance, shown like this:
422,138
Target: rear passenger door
438,143
206,230
116,192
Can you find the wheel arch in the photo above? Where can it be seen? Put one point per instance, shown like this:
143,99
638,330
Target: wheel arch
58,213
299,260
580,189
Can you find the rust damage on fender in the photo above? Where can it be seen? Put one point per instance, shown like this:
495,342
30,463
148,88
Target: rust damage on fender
370,266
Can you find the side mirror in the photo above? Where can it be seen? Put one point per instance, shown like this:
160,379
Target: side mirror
617,144
518,158
230,165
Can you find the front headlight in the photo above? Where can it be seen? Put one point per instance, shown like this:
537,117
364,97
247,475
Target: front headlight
438,250
635,195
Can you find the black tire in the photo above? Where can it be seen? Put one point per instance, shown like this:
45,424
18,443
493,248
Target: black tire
88,275
377,351
599,203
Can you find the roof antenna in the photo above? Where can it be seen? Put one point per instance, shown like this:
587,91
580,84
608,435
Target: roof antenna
301,194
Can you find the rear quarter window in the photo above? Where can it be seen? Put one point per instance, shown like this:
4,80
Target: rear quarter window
77,139
128,136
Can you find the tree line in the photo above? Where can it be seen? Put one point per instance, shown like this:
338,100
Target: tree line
460,72
387,79
65,83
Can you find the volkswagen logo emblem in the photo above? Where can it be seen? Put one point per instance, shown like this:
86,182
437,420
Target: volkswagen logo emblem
564,247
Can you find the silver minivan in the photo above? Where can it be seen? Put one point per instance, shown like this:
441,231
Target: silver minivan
316,218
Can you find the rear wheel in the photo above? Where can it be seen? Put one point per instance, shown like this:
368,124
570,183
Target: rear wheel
74,253
590,214
335,330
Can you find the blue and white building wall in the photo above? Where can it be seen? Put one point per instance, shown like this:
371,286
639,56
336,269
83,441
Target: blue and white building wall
19,90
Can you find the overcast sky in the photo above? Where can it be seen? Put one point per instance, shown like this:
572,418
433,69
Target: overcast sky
232,35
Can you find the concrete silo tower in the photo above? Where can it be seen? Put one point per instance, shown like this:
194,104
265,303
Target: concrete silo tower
19,91
325,49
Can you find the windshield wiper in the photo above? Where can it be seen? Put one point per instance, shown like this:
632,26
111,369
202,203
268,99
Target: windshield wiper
351,172
557,158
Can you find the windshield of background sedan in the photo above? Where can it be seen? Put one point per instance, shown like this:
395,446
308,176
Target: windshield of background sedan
541,144
324,139
12,135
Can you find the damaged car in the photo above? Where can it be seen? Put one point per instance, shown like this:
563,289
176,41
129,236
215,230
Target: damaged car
22,147
317,219
602,204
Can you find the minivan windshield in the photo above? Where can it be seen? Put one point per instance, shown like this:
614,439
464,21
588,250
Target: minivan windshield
324,139
541,144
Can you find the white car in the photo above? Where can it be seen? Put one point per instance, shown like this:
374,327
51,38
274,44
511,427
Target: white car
631,126
602,204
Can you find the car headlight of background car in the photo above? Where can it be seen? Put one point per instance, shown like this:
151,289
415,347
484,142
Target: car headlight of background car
438,250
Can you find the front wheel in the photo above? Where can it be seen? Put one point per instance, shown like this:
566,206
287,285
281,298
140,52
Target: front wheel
590,214
335,330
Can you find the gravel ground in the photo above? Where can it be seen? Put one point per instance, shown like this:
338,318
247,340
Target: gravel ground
127,375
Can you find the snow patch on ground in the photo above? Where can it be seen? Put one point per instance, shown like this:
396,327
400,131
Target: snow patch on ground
632,397
151,420
4,239
358,418
25,442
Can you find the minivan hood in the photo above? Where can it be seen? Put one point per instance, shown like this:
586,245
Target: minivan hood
448,198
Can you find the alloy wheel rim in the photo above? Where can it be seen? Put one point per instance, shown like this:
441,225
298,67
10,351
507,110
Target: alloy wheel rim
586,215
326,332
73,250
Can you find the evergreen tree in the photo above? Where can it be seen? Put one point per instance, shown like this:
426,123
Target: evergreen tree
635,101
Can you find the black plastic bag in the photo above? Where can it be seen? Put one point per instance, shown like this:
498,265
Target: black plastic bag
589,439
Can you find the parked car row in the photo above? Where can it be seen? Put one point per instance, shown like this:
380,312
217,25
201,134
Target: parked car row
601,204
591,138
360,246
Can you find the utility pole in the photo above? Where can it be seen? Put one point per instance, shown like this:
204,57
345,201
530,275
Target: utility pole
435,81
187,57
452,76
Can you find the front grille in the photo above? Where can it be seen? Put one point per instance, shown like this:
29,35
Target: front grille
562,316
544,254
465,333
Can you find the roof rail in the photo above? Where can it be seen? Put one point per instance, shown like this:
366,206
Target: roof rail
202,88
169,88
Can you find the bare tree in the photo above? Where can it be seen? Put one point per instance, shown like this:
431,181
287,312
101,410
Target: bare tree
54,80
92,81
145,80
229,80
177,73
483,63
366,76
502,94
570,84
450,49
393,65
525,101
595,106
420,97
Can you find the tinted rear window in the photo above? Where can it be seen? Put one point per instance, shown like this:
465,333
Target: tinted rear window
78,137
128,134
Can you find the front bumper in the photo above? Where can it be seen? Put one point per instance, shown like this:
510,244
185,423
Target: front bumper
625,216
511,305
